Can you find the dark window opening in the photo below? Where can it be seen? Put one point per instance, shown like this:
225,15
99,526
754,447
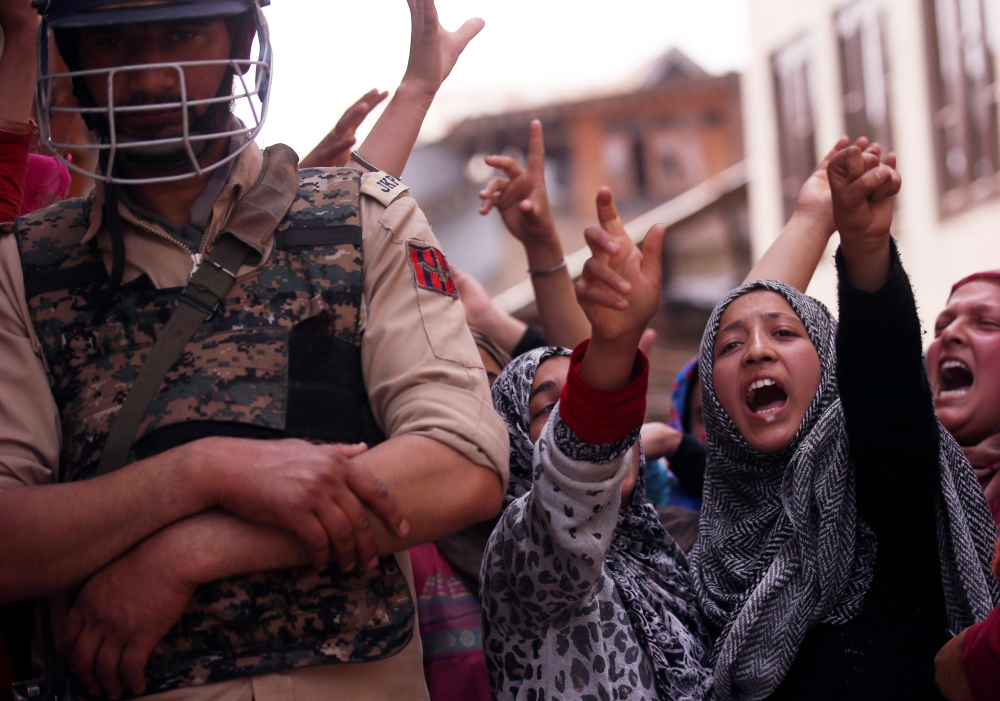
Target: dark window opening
796,131
964,102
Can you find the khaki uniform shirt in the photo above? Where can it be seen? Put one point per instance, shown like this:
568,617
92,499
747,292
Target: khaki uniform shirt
423,374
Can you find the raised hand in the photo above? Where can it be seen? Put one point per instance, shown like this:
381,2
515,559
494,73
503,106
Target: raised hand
863,192
335,148
434,50
619,292
521,196
620,286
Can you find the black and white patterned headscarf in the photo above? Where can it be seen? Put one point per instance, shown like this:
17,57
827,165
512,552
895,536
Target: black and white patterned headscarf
781,546
649,570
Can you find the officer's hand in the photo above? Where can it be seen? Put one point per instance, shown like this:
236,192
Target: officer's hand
313,491
620,286
434,50
121,614
521,197
334,150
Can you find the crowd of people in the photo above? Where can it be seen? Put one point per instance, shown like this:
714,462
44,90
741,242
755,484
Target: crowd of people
259,440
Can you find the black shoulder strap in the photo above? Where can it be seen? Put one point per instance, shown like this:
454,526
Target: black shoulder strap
209,285
254,218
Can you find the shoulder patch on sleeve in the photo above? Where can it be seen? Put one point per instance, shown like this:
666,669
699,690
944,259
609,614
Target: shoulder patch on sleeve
383,187
431,270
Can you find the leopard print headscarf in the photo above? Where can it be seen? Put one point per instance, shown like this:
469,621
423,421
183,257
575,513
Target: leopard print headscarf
649,570
781,546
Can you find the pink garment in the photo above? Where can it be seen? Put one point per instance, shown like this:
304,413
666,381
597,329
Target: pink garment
46,182
450,629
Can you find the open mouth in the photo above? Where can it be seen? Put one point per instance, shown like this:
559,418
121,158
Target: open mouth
955,379
766,397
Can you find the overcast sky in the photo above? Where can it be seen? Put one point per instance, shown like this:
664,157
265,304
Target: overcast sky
330,52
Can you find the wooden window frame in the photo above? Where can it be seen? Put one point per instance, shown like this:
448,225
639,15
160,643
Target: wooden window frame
964,112
865,83
796,124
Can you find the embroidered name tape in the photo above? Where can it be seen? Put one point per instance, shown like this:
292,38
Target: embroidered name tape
383,187
431,270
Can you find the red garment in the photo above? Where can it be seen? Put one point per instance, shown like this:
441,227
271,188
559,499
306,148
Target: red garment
14,149
600,417
450,629
981,658
46,181
985,275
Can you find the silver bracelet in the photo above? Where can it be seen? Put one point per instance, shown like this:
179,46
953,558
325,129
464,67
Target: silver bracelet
362,161
546,272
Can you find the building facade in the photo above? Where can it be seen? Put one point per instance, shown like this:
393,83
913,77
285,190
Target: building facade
917,75
648,142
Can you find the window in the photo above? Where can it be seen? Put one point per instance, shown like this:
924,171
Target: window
964,99
864,71
796,137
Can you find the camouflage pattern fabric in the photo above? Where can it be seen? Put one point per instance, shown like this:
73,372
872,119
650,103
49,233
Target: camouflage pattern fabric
261,361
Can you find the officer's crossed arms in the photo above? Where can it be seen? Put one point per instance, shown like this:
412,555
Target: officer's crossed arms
140,540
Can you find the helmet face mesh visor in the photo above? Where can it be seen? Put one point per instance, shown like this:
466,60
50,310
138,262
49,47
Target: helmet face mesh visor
251,83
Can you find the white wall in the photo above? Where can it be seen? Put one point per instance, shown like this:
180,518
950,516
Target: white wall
936,252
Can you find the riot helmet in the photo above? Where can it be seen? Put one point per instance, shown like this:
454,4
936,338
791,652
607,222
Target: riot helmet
175,144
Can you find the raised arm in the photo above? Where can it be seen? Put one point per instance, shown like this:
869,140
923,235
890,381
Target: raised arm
887,403
18,20
433,54
521,198
572,509
17,65
798,250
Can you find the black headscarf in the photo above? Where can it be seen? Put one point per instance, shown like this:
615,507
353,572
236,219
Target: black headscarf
781,546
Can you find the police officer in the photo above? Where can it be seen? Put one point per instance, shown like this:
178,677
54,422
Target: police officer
232,392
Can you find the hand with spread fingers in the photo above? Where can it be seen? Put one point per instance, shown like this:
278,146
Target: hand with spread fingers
521,198
520,194
434,51
335,148
863,192
620,292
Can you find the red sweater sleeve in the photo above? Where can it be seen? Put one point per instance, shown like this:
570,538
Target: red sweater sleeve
981,658
600,417
14,147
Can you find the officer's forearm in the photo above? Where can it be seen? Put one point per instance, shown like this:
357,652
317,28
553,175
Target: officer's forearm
440,491
53,537
216,544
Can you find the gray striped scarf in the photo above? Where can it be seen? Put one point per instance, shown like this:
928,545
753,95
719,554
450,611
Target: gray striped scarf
781,545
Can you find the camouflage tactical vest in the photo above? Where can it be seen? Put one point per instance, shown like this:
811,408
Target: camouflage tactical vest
281,359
